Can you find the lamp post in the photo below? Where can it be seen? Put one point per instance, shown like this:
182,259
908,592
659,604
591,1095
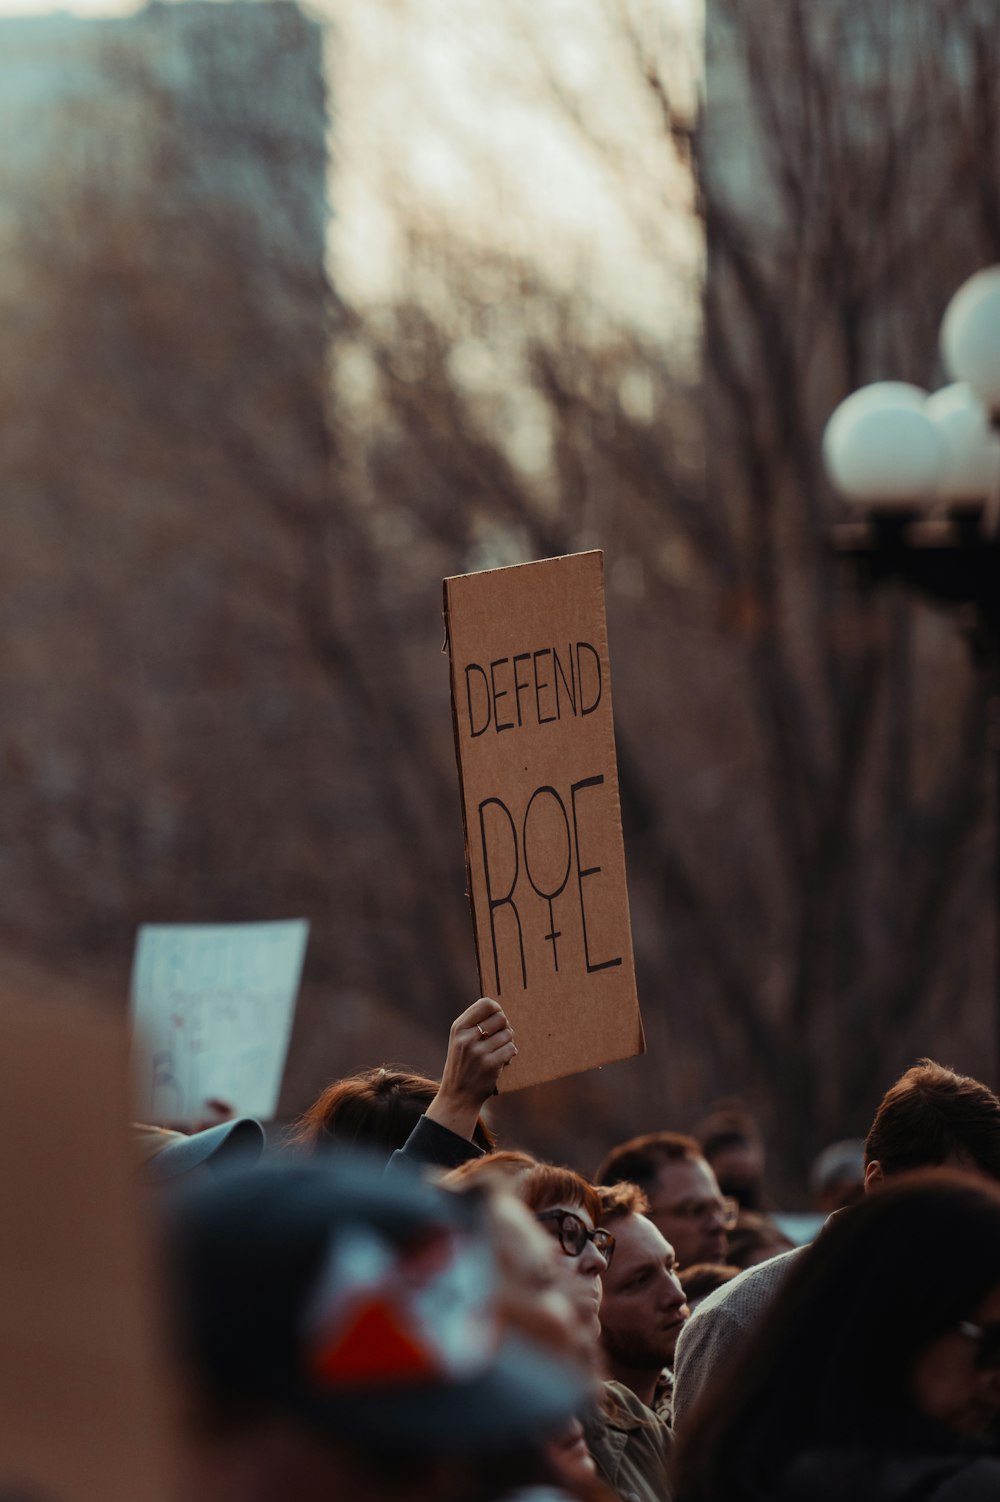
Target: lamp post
921,475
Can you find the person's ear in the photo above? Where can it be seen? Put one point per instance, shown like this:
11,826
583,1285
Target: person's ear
874,1177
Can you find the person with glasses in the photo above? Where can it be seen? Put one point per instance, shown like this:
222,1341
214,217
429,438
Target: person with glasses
930,1117
584,1243
876,1375
566,1206
685,1202
629,1443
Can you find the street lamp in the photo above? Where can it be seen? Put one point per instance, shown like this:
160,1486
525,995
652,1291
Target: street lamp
921,475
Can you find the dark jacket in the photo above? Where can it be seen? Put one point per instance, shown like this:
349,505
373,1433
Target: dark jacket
872,1476
431,1145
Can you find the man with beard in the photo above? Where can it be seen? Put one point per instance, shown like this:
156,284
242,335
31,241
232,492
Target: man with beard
643,1306
930,1118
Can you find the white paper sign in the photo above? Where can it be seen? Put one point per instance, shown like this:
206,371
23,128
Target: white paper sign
212,1007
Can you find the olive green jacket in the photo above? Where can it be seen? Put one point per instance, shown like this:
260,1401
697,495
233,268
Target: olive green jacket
630,1445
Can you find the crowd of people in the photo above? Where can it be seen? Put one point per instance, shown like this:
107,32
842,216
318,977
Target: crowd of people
387,1305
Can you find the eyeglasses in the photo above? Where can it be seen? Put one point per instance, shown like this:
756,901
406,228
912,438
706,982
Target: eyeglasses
728,1210
573,1233
987,1337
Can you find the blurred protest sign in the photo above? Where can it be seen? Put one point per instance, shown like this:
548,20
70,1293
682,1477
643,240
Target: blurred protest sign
212,1006
82,1403
531,700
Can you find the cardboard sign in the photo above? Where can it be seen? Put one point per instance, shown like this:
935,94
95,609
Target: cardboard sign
212,1006
531,699
82,1400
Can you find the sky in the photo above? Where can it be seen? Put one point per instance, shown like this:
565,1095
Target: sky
523,124
517,127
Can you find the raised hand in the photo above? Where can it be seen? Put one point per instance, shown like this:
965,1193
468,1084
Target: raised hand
480,1043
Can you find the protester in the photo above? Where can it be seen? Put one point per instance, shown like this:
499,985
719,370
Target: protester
876,1375
536,1288
685,1203
388,1110
837,1177
930,1117
535,1301
166,1155
533,1297
755,1238
704,1278
342,1337
628,1442
374,1111
504,1168
733,1147
643,1305
568,1209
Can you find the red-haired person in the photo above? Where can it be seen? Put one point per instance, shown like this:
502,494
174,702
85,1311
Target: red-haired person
389,1111
629,1444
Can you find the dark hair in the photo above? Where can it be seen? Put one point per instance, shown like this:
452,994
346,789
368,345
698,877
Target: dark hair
640,1159
376,1109
932,1114
621,1199
830,1365
728,1124
703,1278
756,1238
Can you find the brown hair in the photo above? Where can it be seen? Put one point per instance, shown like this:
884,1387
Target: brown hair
622,1199
640,1159
728,1124
376,1109
703,1278
829,1368
932,1114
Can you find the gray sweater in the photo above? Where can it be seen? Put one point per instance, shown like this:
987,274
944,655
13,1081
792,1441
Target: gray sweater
718,1327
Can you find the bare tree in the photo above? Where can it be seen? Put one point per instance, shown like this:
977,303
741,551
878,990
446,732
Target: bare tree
803,762
222,582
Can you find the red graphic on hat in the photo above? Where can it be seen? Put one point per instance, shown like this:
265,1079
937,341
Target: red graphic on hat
372,1348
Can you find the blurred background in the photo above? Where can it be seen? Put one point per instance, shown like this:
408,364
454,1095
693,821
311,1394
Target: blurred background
306,308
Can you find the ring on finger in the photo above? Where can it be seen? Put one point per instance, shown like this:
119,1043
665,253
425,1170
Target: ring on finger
482,1031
